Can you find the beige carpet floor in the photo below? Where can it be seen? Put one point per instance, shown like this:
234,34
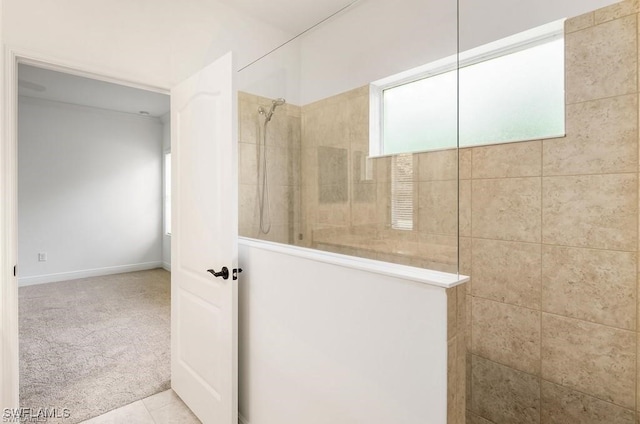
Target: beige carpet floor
94,344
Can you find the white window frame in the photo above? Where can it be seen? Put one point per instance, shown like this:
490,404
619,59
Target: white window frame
518,42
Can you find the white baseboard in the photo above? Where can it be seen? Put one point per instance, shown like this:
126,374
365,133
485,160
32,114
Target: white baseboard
242,420
74,275
166,266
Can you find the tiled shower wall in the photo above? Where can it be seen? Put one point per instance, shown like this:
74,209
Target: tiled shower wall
548,231
283,169
326,194
346,197
552,248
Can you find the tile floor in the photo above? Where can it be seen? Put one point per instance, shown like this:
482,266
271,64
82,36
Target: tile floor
162,408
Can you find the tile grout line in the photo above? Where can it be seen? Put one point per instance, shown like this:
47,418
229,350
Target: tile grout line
540,274
567,246
542,311
637,371
637,361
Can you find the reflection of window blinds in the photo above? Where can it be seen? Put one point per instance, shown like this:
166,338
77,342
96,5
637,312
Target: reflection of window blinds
402,192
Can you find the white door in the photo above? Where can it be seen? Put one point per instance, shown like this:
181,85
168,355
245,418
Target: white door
204,236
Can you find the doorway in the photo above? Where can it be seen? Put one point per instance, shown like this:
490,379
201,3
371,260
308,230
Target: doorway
204,161
94,302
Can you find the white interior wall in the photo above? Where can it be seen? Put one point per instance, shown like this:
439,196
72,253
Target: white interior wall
277,75
166,145
157,42
379,38
89,191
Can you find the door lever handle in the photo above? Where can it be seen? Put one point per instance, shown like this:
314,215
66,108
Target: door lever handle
224,273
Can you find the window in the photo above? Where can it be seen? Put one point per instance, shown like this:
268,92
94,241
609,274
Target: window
167,193
402,192
509,90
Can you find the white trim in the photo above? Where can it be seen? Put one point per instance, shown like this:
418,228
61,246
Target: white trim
78,107
11,56
166,266
8,211
517,42
85,273
39,60
419,275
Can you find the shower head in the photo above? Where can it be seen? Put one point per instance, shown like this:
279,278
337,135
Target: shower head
274,104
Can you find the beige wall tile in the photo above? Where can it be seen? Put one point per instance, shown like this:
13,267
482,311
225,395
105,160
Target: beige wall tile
507,334
469,323
464,225
437,166
616,10
280,165
461,312
602,137
461,379
452,312
333,214
507,160
382,169
383,204
248,163
364,213
601,61
438,207
593,285
464,163
452,370
591,358
281,204
278,130
504,395
507,272
579,22
468,383
638,378
475,419
597,211
561,405
248,216
506,209
465,259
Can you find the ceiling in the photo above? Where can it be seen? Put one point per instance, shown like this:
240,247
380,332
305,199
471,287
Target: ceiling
292,16
67,88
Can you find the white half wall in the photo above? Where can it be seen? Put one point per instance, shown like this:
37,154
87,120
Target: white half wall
324,343
89,191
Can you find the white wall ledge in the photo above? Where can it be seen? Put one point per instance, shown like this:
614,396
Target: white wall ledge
420,275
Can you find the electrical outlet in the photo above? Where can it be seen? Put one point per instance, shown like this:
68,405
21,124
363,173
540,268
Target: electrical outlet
42,257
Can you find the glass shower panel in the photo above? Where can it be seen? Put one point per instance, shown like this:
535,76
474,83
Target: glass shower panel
344,197
541,112
269,147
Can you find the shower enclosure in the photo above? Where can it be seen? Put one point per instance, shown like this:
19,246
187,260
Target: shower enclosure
367,269
444,140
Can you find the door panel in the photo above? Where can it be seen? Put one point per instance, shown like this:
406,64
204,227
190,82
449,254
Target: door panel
204,236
